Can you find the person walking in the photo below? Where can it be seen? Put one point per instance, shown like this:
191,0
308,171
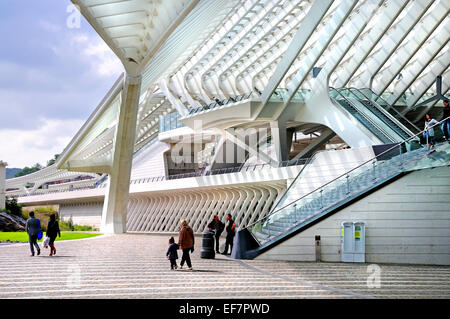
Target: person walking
186,242
446,120
33,227
52,231
172,253
429,130
218,228
230,235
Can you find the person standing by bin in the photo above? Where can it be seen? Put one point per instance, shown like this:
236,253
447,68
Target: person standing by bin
230,228
218,227
186,243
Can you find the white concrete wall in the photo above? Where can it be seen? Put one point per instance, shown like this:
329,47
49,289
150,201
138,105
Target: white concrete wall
89,214
407,221
151,162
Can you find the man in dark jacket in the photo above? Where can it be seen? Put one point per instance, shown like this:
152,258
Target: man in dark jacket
186,243
230,235
218,227
33,227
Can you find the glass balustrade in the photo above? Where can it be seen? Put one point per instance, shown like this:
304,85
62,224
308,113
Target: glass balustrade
220,103
169,122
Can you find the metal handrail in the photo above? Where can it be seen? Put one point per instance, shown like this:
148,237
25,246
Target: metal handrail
307,163
224,102
381,130
383,111
390,106
389,116
346,173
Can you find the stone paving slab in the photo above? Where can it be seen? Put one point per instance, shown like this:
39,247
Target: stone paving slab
134,266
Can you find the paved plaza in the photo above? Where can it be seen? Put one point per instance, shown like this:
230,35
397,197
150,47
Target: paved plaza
134,266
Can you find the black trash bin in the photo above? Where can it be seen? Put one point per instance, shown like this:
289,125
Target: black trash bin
208,246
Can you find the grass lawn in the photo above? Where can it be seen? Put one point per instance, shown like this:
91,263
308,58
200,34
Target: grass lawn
23,236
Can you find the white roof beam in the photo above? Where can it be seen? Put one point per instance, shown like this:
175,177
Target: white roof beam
392,40
391,11
414,42
312,19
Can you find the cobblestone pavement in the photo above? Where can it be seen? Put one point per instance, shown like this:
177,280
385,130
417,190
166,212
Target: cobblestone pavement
134,266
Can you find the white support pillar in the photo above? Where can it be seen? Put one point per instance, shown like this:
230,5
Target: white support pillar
2,183
277,139
116,199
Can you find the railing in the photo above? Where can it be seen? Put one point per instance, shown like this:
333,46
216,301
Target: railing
385,138
220,103
219,171
369,94
384,116
35,193
348,185
169,122
405,97
229,170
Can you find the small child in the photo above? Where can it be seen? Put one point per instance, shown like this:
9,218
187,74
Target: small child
172,254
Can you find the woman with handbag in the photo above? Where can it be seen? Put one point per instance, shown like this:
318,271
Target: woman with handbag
52,231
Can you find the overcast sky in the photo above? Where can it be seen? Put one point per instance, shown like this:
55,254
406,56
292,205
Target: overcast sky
52,77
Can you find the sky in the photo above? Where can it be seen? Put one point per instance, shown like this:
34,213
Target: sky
54,71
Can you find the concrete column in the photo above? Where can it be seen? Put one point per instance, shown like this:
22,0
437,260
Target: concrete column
115,207
2,183
282,138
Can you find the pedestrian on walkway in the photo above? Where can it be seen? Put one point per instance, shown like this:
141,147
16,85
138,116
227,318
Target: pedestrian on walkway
429,130
218,228
446,120
52,232
186,243
230,235
33,228
172,253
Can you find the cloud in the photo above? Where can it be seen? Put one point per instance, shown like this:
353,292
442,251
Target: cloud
95,52
52,77
48,26
25,148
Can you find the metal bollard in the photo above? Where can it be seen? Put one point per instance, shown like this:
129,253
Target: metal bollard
317,248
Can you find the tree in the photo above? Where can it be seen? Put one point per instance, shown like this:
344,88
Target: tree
12,206
53,160
28,170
